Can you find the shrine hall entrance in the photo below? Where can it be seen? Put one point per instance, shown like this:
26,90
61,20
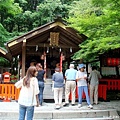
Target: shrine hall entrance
50,60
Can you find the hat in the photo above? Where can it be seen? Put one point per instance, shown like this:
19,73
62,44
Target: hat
81,66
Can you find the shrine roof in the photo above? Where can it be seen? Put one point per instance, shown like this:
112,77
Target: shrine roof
68,38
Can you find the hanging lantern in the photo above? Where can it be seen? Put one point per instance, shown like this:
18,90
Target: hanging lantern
71,49
113,61
109,63
42,57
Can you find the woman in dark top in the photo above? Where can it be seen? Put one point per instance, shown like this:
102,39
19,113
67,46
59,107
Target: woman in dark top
40,78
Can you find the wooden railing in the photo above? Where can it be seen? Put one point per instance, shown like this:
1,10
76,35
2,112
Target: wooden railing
9,92
102,92
112,84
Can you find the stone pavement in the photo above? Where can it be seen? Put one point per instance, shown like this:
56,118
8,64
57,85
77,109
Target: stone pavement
102,111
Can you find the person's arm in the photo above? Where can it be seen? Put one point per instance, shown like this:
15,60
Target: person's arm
37,92
19,84
99,76
44,76
37,99
78,77
53,79
89,77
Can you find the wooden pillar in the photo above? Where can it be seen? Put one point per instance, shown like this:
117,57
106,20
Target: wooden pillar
23,57
45,65
61,57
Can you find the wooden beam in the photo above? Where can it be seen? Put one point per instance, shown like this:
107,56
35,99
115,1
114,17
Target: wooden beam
23,58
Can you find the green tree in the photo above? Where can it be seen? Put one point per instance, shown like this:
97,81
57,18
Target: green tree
4,35
99,20
8,8
49,9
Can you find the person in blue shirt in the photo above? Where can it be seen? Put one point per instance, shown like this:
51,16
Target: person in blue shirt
58,84
70,86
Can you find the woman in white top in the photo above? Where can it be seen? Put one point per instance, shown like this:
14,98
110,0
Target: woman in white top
82,85
28,97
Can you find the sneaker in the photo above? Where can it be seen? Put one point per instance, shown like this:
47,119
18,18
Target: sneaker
90,106
57,107
72,104
79,105
66,105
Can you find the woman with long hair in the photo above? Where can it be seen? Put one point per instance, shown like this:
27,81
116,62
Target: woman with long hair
28,97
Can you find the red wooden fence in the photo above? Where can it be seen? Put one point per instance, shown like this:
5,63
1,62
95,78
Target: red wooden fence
112,84
102,92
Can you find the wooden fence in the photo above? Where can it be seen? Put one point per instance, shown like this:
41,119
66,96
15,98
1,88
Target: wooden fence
9,92
112,84
102,92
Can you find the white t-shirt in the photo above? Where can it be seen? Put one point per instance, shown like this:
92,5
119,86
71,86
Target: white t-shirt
81,82
27,96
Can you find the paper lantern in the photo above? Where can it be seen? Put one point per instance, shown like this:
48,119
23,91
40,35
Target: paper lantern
113,61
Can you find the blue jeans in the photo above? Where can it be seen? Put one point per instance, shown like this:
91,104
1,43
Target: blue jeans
41,88
26,109
80,92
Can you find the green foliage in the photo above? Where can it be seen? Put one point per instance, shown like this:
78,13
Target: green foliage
49,9
8,7
99,20
3,35
100,23
4,62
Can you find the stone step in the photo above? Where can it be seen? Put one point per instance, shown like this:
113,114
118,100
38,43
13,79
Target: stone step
60,115
107,118
102,111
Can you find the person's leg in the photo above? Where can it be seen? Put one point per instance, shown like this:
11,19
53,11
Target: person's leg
60,95
86,94
56,96
41,88
30,113
80,91
91,93
96,95
73,88
22,112
67,91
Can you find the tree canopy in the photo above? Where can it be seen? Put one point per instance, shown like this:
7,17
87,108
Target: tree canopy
99,21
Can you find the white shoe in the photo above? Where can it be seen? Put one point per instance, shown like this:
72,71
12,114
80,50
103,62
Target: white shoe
57,107
90,106
79,105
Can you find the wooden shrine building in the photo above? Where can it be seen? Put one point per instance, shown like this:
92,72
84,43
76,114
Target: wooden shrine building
47,44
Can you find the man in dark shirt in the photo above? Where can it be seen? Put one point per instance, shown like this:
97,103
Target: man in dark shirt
40,77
